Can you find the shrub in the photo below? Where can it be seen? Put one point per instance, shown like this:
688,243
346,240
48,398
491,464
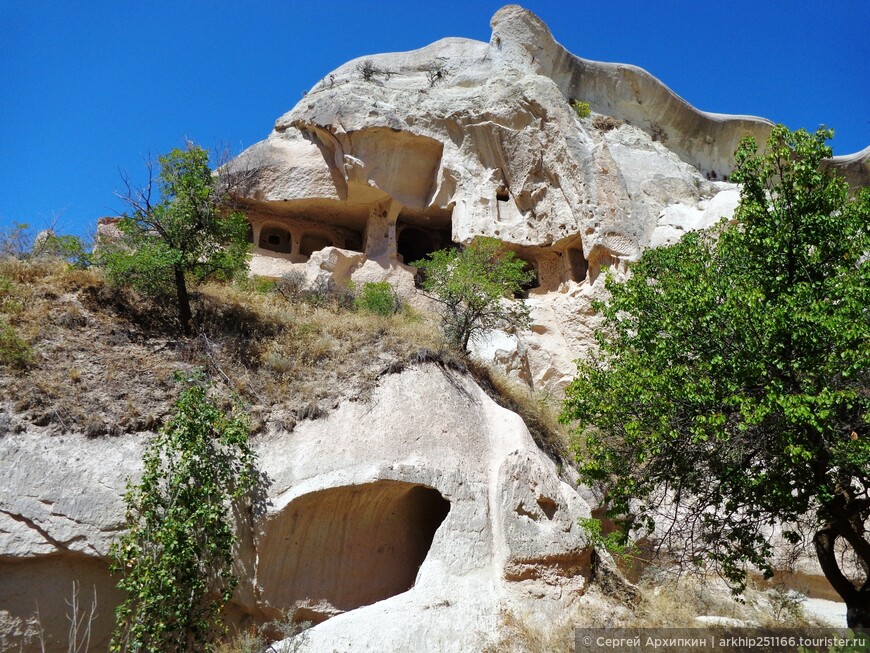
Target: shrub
16,241
19,242
472,286
367,70
582,109
176,557
14,351
378,298
606,123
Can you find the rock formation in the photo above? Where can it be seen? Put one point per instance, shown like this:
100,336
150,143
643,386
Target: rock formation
427,528
396,155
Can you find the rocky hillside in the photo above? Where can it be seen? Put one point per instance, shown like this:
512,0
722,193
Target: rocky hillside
415,501
394,155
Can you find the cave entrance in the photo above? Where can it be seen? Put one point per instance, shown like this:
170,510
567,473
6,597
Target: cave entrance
577,264
415,244
534,279
335,550
311,243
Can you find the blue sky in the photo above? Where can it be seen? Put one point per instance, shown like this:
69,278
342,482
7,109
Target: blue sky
88,88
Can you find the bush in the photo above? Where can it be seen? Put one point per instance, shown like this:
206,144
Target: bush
16,241
582,109
19,242
14,351
367,70
606,123
176,557
472,287
378,298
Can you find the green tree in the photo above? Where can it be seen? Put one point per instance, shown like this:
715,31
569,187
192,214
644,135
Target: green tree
731,387
472,286
189,234
176,558
19,242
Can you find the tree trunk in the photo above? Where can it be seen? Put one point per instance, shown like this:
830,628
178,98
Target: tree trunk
857,600
858,611
184,313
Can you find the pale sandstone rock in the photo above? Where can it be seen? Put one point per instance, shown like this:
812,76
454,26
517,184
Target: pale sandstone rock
352,532
456,140
461,139
61,504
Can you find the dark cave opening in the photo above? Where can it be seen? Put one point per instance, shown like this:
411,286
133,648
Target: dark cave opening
415,244
276,239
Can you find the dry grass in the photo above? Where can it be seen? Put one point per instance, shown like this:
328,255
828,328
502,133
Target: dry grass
674,604
102,359
539,411
88,370
522,634
677,602
281,635
669,605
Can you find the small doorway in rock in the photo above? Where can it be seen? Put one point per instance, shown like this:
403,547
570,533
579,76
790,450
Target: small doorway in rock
415,244
533,282
353,242
577,263
311,243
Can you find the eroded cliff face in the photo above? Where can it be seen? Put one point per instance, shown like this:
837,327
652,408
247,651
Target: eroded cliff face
395,155
393,532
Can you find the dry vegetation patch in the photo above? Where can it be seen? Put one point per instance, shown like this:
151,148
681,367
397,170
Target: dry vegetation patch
539,411
82,356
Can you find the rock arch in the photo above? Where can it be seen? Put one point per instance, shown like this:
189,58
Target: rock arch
275,238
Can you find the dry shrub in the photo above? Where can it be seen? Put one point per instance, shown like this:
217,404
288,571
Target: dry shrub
677,602
99,358
103,357
522,634
281,635
606,123
539,411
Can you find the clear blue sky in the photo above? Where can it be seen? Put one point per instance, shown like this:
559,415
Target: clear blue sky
88,88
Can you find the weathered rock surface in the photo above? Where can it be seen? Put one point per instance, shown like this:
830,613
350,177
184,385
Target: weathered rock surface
399,154
427,524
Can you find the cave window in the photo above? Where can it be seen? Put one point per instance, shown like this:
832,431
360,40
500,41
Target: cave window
535,282
501,194
311,243
415,244
577,263
276,239
250,234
